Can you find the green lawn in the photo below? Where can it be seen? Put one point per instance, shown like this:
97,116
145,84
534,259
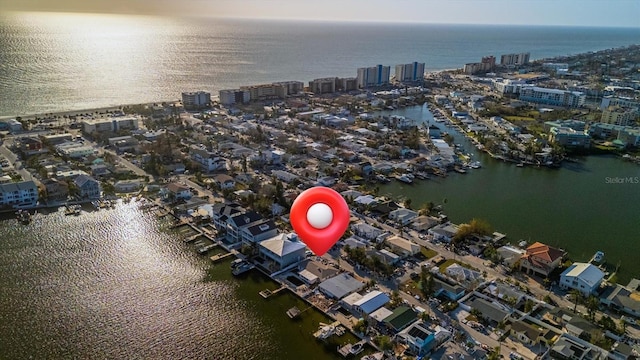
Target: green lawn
518,118
428,253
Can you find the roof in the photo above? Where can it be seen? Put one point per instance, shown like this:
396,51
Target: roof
528,330
542,251
81,180
176,188
281,246
246,218
381,314
372,301
261,227
403,244
340,285
222,178
352,299
11,187
401,317
588,273
489,310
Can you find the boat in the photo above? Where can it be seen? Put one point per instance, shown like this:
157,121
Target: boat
520,164
598,257
422,175
404,178
475,165
357,348
383,179
374,356
206,248
242,268
72,210
460,170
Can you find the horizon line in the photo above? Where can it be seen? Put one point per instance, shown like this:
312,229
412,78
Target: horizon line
311,20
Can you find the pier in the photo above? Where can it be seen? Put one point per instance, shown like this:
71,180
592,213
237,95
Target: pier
352,348
218,257
266,293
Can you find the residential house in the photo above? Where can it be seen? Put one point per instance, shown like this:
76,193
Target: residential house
177,191
124,186
462,274
56,190
569,347
88,187
419,338
99,170
541,259
362,305
236,222
22,194
224,181
366,231
258,231
510,255
282,250
221,212
493,312
340,286
285,176
208,161
622,298
313,271
400,318
403,216
424,223
402,246
443,232
527,333
584,277
451,292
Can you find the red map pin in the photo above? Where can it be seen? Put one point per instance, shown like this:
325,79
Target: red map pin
319,216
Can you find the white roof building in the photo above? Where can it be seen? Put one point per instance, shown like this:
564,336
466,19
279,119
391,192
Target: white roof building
583,277
282,251
340,286
371,302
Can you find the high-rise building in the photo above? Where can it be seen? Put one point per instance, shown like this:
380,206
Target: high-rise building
486,64
515,59
323,86
410,72
196,99
619,116
373,76
555,97
234,96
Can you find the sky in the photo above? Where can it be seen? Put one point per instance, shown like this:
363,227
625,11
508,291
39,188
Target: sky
611,13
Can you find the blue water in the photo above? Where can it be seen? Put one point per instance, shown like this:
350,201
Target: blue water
53,62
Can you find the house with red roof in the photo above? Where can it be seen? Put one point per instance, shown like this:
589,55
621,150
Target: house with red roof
540,259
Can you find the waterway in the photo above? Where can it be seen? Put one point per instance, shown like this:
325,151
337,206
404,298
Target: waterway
582,207
121,284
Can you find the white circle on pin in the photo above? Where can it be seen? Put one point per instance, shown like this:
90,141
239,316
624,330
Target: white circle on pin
319,215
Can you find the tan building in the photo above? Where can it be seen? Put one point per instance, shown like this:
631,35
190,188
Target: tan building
618,115
540,259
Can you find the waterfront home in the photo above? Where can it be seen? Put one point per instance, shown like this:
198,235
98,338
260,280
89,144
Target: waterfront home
124,186
365,200
224,181
510,255
402,246
340,286
463,274
312,271
282,250
584,277
221,212
175,191
366,304
88,187
492,312
622,298
403,216
56,190
419,338
236,222
451,292
424,223
443,232
540,259
400,318
258,231
22,194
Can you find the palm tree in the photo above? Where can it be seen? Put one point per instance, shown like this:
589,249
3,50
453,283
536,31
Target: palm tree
576,296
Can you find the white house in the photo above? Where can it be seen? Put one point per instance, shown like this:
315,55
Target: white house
583,277
403,216
178,191
19,195
282,250
124,186
402,246
208,161
224,181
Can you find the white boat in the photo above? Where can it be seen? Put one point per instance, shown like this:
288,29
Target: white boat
404,178
598,257
475,165
357,348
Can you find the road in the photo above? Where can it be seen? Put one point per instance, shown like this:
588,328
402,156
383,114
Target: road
17,164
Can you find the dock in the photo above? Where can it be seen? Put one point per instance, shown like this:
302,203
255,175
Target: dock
327,330
266,293
218,257
192,238
206,248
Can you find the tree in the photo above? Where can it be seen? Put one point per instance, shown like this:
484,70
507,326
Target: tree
384,343
592,304
576,295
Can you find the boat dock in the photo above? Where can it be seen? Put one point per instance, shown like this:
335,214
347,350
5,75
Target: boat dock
354,349
218,257
266,293
326,330
206,248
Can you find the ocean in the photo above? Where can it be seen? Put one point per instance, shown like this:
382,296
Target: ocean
53,62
